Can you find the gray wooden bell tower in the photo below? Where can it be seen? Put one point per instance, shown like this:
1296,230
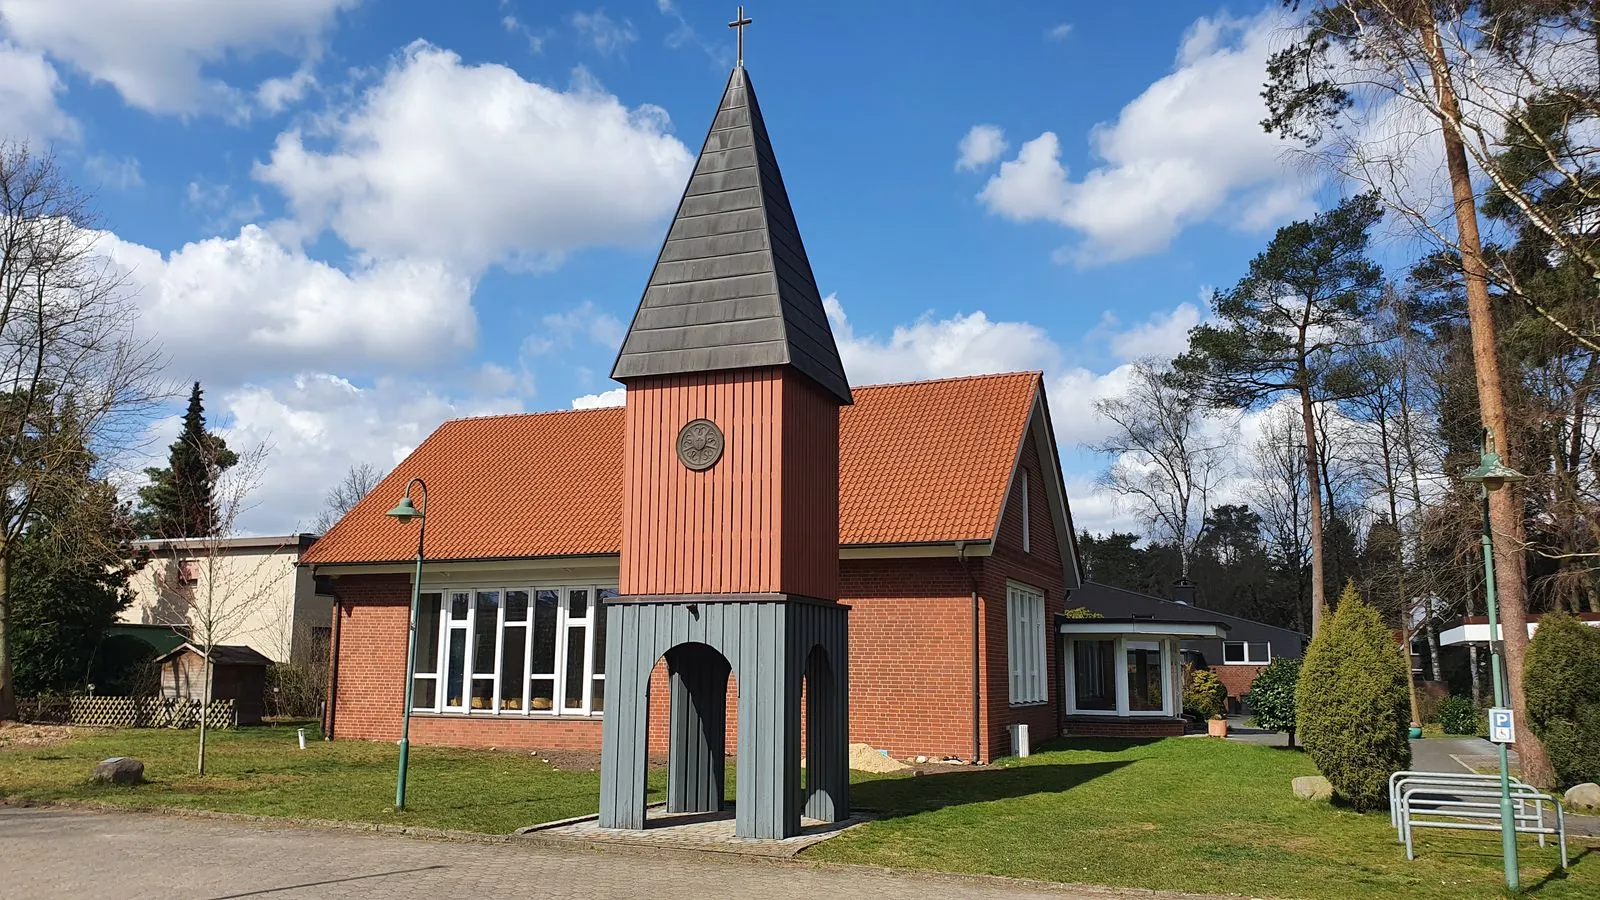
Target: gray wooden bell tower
730,550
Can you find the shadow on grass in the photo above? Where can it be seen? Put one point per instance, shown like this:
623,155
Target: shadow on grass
1558,874
891,798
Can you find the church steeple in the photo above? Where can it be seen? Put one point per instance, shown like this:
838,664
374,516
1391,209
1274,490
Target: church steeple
733,288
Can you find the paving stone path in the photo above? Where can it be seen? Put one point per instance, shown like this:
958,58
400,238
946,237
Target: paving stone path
56,853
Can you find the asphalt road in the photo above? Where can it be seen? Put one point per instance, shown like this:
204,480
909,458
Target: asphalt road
55,853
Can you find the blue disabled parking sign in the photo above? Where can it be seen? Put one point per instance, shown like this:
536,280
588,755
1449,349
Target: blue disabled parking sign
1502,728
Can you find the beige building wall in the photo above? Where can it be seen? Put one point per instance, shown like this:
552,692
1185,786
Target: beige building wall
255,593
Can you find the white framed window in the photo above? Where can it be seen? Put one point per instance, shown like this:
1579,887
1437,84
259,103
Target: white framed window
511,650
1246,653
1027,525
1120,675
1025,645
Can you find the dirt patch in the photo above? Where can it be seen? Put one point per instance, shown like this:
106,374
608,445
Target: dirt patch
577,760
18,736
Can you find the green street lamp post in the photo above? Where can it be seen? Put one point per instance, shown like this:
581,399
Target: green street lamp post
1491,474
404,512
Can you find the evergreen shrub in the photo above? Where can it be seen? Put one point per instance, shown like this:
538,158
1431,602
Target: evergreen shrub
1352,706
1204,695
1561,684
1457,715
1271,696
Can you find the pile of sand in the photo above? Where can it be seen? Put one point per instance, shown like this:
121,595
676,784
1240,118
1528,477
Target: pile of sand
865,758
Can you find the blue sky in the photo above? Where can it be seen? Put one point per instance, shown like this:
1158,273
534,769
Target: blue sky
353,219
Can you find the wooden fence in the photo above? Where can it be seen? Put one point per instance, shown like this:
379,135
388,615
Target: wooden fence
149,712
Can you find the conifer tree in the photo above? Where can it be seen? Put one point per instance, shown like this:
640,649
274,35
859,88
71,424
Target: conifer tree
178,501
1352,708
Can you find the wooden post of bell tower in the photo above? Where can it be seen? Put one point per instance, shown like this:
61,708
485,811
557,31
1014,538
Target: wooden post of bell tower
730,547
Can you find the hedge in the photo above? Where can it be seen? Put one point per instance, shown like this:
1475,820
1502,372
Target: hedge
1561,683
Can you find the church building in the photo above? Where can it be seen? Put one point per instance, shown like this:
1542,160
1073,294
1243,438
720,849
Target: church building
746,492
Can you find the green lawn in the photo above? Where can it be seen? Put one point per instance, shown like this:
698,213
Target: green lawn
1181,814
260,771
1190,814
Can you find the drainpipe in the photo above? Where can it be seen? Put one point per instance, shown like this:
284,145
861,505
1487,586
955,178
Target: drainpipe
961,557
333,675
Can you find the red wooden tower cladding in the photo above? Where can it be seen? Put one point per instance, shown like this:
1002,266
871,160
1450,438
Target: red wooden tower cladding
730,543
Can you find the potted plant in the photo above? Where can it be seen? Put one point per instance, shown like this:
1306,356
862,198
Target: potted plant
1206,697
1415,732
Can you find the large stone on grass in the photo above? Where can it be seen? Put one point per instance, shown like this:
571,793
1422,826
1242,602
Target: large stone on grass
119,770
1313,787
1584,797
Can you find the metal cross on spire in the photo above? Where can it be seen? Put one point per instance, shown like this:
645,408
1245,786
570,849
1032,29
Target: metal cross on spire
738,25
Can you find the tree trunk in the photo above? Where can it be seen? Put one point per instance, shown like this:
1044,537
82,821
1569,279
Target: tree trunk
1433,643
205,709
8,685
1505,516
1314,486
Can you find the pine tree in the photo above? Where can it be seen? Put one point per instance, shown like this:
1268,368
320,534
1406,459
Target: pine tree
178,501
1290,327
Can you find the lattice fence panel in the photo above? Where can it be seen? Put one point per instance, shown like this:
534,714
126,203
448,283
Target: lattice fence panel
150,712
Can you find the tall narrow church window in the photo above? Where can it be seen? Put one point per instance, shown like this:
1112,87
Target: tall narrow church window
1025,644
1027,525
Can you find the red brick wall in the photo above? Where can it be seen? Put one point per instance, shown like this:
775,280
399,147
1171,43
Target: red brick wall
1039,568
910,655
1237,679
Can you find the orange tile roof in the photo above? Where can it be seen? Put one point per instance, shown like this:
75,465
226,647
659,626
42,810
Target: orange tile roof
921,462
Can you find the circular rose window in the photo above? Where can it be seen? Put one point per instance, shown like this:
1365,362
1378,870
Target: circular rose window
700,444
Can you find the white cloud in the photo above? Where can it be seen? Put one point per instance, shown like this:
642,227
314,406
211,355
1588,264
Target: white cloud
982,145
606,36
474,165
585,320
28,89
121,174
1097,510
235,308
318,425
1189,149
1059,32
961,345
613,397
154,53
1162,336
277,94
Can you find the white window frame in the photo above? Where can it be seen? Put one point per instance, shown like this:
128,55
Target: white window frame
563,626
1026,662
1247,661
1170,659
1027,525
429,702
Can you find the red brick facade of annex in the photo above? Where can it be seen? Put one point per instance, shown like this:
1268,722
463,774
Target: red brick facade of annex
910,653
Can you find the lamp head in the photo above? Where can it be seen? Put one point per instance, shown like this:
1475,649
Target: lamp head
1494,474
404,512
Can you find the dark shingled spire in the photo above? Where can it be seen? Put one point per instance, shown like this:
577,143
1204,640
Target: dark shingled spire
732,288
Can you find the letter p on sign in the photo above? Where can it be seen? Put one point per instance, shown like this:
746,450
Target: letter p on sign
1502,727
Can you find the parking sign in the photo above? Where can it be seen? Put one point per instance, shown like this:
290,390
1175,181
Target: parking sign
1502,728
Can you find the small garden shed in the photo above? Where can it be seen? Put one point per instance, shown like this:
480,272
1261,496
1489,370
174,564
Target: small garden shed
238,673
